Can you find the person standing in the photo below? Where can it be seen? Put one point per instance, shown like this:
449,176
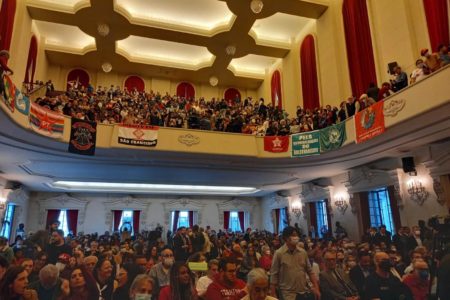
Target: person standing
290,269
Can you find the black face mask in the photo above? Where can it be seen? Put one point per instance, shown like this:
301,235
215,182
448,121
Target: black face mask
385,265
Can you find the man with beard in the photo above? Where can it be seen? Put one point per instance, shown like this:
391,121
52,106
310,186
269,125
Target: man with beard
57,246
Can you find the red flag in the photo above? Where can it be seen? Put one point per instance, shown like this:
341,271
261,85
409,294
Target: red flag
370,122
276,143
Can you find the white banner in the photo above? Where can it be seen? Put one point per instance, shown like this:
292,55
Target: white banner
138,135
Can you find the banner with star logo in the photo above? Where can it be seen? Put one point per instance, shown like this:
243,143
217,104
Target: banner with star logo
138,135
276,144
305,144
369,123
332,137
83,136
46,122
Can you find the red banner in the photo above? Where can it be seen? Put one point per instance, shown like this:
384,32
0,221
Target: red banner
370,122
276,144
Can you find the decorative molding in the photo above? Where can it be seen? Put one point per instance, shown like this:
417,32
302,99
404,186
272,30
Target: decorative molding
304,211
393,174
183,203
364,178
393,107
189,139
18,197
235,204
62,201
313,192
437,188
353,204
126,203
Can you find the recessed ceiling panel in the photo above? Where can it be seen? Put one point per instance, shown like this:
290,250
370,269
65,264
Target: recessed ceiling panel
70,6
203,17
251,65
164,53
278,30
65,38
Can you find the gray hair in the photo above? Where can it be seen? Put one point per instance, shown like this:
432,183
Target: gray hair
138,281
48,275
255,274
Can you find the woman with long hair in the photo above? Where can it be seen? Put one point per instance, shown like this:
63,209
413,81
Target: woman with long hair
13,285
104,272
126,275
181,286
82,285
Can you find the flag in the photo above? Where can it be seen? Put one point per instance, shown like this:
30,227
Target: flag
370,122
332,137
304,144
10,90
83,135
46,122
276,144
22,103
138,135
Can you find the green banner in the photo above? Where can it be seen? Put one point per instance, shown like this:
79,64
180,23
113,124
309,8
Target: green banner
304,144
332,137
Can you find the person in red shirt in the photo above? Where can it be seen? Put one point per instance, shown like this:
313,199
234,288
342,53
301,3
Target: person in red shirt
418,281
226,286
4,56
182,286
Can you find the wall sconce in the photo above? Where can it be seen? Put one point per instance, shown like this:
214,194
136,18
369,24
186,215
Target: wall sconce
2,203
341,203
417,191
296,208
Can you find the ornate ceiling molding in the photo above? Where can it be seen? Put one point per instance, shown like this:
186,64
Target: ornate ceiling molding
64,201
183,203
126,203
236,204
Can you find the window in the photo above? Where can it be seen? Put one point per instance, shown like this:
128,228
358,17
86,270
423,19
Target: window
283,220
322,217
63,222
380,209
8,221
126,221
235,225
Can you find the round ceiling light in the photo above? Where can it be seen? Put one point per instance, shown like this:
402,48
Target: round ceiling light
107,67
230,50
256,6
213,80
103,29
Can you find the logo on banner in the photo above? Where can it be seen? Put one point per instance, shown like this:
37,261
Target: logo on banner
137,135
369,123
276,144
83,137
46,122
305,144
22,103
332,137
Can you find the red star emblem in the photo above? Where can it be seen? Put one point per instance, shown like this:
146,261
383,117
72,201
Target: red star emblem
138,133
45,123
276,143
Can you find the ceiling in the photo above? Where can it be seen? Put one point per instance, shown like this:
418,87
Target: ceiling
176,39
36,161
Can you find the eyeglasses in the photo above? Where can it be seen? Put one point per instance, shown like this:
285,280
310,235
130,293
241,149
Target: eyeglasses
168,255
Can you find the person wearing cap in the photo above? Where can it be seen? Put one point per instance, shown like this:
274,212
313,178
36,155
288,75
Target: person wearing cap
4,56
432,60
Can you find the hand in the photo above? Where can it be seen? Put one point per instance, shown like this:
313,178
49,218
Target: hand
29,294
65,288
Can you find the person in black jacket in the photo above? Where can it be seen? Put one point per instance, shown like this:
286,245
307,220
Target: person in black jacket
361,271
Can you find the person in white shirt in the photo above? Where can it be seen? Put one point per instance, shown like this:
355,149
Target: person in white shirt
205,281
420,72
258,285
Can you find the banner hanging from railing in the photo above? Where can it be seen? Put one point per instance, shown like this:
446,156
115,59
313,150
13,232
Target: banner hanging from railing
332,137
305,144
138,135
369,123
276,144
46,122
83,137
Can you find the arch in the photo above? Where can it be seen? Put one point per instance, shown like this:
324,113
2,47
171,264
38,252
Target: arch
31,62
134,81
231,93
7,13
275,88
186,90
358,40
77,77
310,86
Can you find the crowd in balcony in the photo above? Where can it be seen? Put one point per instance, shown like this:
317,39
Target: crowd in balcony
111,105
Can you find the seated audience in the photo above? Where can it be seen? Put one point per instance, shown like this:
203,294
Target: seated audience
432,60
182,285
204,281
258,285
141,288
226,285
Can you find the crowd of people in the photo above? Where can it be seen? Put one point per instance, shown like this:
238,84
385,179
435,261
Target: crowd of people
250,116
200,263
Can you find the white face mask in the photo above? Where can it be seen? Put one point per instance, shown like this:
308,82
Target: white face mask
417,232
143,297
351,264
168,261
60,266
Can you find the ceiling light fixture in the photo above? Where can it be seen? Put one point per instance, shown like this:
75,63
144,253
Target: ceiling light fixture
103,29
230,50
107,67
213,80
256,6
152,188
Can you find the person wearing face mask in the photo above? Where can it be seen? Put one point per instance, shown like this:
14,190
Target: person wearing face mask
382,284
160,273
418,281
258,285
141,288
290,269
266,259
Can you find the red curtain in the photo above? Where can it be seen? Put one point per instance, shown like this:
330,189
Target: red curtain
364,207
176,216
277,220
310,86
436,12
313,216
231,94
226,220
186,90
72,220
78,76
359,45
117,214
191,218
394,208
275,88
136,221
241,216
31,62
135,82
7,13
52,215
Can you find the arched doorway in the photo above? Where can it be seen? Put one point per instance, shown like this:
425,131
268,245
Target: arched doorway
186,90
77,78
231,94
133,82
